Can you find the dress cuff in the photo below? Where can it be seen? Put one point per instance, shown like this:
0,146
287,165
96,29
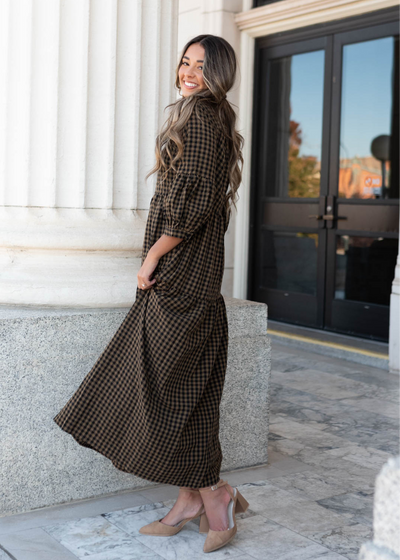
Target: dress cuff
174,232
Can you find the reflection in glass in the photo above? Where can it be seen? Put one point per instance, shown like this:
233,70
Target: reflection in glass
295,107
365,268
368,136
290,261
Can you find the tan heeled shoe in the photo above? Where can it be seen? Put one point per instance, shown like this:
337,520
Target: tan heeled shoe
158,529
218,539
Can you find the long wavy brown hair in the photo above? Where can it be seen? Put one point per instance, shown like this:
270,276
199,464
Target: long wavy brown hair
219,73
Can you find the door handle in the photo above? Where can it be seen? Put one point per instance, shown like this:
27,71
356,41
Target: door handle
332,217
327,217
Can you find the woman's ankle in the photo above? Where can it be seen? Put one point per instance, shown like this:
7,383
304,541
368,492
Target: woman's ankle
186,505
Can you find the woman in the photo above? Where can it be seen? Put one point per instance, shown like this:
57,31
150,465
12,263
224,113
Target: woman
151,401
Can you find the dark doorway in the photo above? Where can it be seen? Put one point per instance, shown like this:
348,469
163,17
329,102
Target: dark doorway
325,176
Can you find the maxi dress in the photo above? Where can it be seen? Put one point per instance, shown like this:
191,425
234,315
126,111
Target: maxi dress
151,401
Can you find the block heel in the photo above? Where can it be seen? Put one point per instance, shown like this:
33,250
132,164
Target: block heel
242,504
204,526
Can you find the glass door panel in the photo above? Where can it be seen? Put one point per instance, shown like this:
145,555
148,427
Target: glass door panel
366,119
291,182
294,136
365,268
291,261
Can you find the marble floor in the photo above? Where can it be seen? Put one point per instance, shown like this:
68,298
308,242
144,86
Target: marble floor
333,425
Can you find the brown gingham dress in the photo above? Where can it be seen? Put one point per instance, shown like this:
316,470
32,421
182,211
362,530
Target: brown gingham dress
151,401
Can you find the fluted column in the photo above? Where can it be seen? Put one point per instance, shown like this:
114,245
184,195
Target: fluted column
83,87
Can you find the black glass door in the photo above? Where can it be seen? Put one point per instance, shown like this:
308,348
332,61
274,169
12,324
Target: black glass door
324,223
291,179
363,240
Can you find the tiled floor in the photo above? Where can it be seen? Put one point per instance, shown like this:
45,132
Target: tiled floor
333,425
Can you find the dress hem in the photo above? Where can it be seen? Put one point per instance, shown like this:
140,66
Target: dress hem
156,480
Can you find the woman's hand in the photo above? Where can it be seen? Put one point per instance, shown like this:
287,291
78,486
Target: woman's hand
164,244
147,269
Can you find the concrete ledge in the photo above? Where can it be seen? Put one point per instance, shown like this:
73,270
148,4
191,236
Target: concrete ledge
46,352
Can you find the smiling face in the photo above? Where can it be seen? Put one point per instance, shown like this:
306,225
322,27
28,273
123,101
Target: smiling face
191,70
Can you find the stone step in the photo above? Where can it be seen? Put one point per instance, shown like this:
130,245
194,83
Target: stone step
359,350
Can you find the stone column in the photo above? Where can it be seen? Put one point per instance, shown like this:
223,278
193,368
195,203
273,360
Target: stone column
242,231
394,330
386,542
83,87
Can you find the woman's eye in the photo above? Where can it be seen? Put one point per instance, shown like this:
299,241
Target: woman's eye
184,62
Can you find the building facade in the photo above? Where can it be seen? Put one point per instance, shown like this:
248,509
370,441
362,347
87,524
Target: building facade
84,87
316,236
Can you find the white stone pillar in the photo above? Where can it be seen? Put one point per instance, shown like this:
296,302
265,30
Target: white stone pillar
242,237
83,87
394,327
386,541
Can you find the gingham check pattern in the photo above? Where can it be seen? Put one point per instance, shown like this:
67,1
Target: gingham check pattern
151,401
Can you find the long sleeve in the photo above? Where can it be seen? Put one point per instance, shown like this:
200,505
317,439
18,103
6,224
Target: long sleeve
191,199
